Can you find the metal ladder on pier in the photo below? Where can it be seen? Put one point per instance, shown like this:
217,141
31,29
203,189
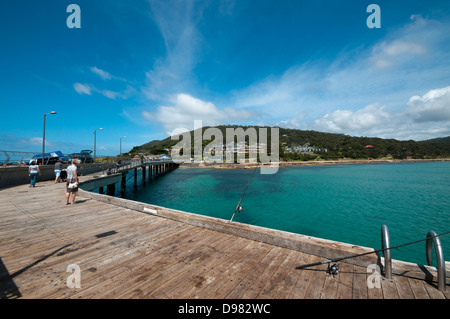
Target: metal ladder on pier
431,239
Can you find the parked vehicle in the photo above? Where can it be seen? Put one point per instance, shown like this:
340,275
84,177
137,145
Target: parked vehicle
84,156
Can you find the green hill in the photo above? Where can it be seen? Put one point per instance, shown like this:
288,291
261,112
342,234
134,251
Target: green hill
312,145
440,140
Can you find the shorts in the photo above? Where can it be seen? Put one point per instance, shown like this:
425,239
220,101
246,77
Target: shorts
57,172
71,190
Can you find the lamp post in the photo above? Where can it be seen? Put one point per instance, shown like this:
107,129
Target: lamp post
43,137
95,141
121,144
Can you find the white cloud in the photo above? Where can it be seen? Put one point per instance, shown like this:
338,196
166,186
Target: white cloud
361,91
103,74
295,122
20,144
110,94
362,120
186,109
434,106
36,141
88,89
399,47
83,88
391,54
422,117
178,24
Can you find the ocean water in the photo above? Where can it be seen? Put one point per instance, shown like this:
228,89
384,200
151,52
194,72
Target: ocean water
346,203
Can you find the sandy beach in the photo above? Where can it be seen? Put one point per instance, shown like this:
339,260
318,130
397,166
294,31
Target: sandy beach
308,163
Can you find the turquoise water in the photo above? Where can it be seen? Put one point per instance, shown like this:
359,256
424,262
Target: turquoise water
346,203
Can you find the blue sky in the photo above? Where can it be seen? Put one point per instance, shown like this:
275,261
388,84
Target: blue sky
145,68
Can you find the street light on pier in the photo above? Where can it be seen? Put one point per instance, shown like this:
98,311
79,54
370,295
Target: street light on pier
95,141
43,137
121,144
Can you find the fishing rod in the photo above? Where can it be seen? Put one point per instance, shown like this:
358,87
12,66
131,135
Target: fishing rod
239,207
363,254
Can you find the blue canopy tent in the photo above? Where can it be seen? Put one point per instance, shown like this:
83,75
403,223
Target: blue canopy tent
49,158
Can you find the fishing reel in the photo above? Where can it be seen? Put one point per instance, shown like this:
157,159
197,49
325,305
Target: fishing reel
238,209
333,269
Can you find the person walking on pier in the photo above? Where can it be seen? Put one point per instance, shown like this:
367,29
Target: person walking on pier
72,182
33,171
58,168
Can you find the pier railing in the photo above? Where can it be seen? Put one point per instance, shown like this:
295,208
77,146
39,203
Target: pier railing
119,171
126,165
16,158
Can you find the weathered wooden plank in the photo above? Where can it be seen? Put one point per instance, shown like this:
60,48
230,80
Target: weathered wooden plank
303,281
330,287
433,292
389,288
317,281
37,250
216,276
69,228
446,293
171,275
403,287
83,251
227,276
146,264
275,282
359,283
292,275
182,254
252,274
197,276
112,271
345,288
91,255
418,289
265,278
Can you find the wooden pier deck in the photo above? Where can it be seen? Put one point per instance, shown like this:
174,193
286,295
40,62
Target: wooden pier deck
123,253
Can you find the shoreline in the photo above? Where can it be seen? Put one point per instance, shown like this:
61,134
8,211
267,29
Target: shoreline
309,163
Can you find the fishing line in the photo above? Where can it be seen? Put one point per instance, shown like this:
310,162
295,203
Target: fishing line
363,254
239,207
